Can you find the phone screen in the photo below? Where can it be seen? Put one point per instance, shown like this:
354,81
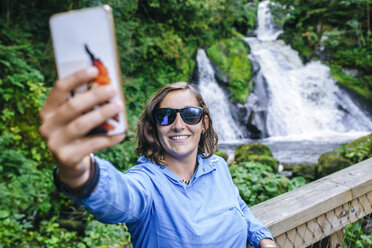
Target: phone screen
86,37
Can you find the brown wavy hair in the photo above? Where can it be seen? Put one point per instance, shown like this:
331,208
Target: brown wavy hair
147,135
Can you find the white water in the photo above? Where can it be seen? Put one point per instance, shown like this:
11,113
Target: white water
304,100
216,100
308,114
266,29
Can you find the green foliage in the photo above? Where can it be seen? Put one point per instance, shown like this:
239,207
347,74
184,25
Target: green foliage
24,193
157,41
358,150
22,92
257,182
230,56
361,85
357,236
98,234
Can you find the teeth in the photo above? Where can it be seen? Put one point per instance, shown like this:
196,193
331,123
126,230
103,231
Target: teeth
178,137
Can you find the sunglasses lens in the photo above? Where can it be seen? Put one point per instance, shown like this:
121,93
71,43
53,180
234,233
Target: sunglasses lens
191,115
165,116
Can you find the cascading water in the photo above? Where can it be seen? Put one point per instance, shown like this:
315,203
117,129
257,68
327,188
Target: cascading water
266,28
304,99
216,100
305,112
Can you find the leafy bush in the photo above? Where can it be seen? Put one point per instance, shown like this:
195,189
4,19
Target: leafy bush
357,150
154,48
257,182
356,236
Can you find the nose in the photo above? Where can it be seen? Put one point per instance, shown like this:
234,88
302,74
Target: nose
178,123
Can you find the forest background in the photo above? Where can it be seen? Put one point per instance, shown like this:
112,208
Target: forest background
157,43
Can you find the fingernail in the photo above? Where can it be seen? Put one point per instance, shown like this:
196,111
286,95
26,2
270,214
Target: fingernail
91,71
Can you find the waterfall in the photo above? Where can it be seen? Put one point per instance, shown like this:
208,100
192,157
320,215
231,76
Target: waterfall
216,100
266,30
304,99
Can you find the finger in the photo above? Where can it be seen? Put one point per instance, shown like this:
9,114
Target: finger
72,154
63,87
83,124
76,106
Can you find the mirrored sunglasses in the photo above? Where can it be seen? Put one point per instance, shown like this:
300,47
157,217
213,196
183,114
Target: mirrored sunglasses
190,115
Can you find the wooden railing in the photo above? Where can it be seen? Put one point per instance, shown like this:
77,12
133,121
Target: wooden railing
322,208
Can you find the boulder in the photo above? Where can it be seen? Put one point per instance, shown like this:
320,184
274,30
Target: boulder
329,163
256,153
305,170
243,151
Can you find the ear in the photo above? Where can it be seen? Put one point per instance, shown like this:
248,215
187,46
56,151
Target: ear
205,123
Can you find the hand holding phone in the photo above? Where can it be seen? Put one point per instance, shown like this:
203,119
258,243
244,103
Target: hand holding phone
86,37
87,96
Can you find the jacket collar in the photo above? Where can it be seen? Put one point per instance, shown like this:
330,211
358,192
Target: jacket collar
205,166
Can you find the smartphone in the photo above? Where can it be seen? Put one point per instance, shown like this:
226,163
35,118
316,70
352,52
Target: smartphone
86,37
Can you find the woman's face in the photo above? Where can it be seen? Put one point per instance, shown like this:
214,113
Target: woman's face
180,140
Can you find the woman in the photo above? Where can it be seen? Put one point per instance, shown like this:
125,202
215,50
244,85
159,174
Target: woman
179,194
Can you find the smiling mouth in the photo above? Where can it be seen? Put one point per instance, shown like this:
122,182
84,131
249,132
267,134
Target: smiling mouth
179,137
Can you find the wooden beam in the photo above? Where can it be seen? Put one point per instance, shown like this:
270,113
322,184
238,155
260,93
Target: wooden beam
292,209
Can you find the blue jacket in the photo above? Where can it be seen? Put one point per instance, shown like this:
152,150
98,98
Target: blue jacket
162,211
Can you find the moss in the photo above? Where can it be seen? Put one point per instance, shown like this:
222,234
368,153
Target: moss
256,153
359,85
305,170
358,150
365,140
251,149
230,56
329,163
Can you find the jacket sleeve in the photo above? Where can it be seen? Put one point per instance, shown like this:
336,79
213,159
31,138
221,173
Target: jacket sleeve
119,197
256,230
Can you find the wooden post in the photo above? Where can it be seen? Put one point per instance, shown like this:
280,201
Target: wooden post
337,239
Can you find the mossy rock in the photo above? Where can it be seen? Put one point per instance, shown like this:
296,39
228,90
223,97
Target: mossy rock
329,163
358,150
230,56
242,152
305,170
256,153
222,154
361,141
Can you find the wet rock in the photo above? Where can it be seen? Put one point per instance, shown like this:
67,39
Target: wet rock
256,153
305,170
251,149
329,163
